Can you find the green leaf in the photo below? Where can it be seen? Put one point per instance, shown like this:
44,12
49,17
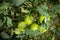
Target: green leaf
12,13
44,7
16,2
57,11
42,11
1,23
4,35
9,22
30,32
19,2
4,6
54,8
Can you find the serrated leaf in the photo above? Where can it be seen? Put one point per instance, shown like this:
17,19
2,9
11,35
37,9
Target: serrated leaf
42,12
9,22
54,8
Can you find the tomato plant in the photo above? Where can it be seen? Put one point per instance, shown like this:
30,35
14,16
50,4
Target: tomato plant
29,19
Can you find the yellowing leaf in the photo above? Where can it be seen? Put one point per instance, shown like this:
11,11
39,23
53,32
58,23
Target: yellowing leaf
24,11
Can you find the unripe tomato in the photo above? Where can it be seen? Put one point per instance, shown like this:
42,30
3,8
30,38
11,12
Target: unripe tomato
28,19
42,29
34,27
16,31
21,26
41,18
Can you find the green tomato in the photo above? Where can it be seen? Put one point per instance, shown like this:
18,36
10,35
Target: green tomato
42,29
28,19
16,31
41,18
21,25
34,27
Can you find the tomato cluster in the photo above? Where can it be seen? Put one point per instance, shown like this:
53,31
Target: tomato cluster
31,25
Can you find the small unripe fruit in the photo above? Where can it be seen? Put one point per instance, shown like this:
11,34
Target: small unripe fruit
34,27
